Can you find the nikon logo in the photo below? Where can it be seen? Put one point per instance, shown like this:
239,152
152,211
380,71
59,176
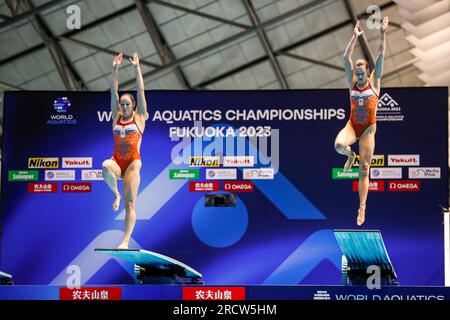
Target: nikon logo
46,163
204,161
377,161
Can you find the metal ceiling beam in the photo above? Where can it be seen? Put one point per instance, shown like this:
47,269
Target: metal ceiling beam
401,67
288,48
72,33
321,63
17,8
234,38
362,39
108,18
22,54
4,16
10,86
266,44
167,57
105,50
231,72
115,15
282,51
199,13
72,80
317,35
204,50
29,13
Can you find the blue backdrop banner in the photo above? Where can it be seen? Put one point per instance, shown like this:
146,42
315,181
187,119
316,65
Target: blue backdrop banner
273,150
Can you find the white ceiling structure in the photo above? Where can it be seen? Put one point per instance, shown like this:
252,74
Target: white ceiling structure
318,30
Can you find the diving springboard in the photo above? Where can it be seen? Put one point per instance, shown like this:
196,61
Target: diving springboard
153,264
362,249
5,278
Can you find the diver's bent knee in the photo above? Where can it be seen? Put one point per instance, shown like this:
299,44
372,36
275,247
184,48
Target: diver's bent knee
130,204
106,165
339,146
135,165
364,170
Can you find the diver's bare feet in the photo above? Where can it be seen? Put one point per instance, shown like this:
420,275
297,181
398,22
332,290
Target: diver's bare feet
123,245
116,203
350,161
361,215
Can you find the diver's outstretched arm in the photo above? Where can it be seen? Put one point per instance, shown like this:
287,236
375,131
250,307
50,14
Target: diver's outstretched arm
115,85
141,102
348,54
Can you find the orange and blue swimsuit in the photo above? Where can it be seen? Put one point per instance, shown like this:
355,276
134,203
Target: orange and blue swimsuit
363,108
127,142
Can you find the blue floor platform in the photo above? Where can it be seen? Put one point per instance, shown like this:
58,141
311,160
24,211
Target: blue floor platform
175,292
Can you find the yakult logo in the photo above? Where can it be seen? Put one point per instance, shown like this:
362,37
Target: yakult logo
404,160
238,161
77,162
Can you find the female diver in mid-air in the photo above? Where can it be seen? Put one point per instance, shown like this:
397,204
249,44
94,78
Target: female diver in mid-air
128,125
364,91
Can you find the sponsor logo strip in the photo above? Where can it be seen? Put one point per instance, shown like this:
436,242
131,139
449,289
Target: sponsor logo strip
24,175
91,174
238,186
238,161
51,187
43,163
77,162
339,173
77,187
203,186
424,173
59,175
385,173
376,186
184,174
403,160
204,161
221,174
258,174
403,185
